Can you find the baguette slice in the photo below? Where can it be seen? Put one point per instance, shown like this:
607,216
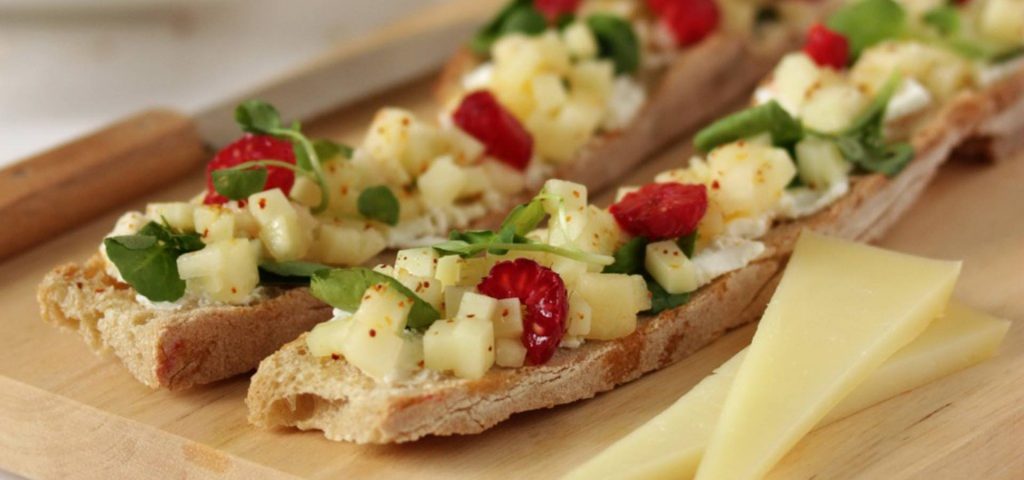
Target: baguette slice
293,388
703,81
173,349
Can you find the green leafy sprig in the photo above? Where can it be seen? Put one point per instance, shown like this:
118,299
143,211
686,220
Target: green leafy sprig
867,22
344,288
148,260
863,143
616,41
519,16
769,117
629,259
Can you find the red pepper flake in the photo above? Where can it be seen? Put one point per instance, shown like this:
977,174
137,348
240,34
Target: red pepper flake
715,185
335,356
420,364
234,290
373,333
79,285
263,203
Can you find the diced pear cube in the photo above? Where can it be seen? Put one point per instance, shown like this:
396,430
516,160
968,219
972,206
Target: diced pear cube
385,270
794,77
426,142
569,269
453,298
344,182
614,303
305,191
474,269
449,270
178,215
442,182
348,244
941,71
387,144
509,352
382,354
567,207
225,271
478,182
667,263
579,316
427,288
549,93
475,305
245,224
832,108
328,338
464,346
420,261
711,224
750,178
213,223
508,319
1003,21
464,148
580,41
384,307
820,163
601,234
280,228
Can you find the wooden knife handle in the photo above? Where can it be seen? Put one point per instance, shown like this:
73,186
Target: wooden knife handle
56,190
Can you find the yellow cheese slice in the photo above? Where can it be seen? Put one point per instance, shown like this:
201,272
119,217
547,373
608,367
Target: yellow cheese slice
839,312
670,445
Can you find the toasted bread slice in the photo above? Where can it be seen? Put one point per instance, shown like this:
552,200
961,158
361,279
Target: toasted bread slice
294,388
173,349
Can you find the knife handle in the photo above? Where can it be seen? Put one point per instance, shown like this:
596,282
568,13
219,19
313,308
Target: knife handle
56,190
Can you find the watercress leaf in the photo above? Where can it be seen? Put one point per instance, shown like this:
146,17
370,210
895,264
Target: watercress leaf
769,117
662,300
616,40
457,247
525,217
688,243
148,265
328,150
239,184
506,21
629,258
255,116
344,288
379,203
944,19
181,242
867,22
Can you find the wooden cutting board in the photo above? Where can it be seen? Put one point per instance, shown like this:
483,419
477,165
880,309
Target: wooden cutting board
66,412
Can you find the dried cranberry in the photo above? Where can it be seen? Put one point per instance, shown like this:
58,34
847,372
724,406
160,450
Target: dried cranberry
689,21
542,293
662,210
826,47
246,149
554,9
481,116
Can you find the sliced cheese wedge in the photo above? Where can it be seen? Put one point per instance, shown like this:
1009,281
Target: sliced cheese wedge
670,445
839,312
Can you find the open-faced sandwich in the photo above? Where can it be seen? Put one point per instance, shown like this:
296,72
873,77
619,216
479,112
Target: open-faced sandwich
192,292
841,139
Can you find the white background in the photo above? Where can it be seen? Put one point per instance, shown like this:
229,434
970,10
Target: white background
70,66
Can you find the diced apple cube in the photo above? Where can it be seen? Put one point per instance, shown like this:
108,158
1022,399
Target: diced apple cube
328,338
820,163
475,305
387,144
178,215
509,352
442,182
348,244
614,303
569,269
579,40
305,191
567,207
478,182
465,149
280,228
382,354
384,307
667,263
751,177
213,223
427,288
794,77
474,269
453,298
420,261
593,79
601,234
832,108
225,271
449,270
464,346
508,319
579,316
503,178
1003,21
549,93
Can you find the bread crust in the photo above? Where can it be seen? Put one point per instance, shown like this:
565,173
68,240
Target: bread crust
293,388
173,349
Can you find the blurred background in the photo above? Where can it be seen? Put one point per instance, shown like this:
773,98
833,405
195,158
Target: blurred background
70,66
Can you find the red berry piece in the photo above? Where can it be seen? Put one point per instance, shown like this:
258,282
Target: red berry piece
690,21
545,303
481,116
659,211
554,9
249,148
827,48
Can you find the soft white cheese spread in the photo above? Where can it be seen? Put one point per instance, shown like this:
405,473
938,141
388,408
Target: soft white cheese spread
626,99
723,255
803,201
910,98
479,77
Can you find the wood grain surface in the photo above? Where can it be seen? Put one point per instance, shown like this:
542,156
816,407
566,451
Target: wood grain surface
66,412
